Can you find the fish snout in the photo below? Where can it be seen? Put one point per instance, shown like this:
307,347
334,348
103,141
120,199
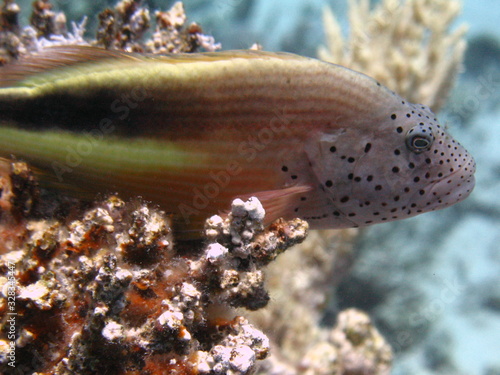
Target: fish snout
454,187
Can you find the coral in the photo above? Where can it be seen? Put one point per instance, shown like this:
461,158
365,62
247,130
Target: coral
408,46
18,190
47,28
108,291
45,21
302,283
173,36
352,347
10,42
123,27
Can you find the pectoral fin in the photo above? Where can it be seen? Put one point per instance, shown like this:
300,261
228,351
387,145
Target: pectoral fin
279,203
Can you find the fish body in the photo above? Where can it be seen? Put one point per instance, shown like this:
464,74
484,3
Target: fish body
192,132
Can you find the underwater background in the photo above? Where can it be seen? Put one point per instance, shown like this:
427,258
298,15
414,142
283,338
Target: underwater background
431,283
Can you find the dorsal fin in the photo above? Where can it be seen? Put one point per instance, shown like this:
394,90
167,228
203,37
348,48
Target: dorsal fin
52,58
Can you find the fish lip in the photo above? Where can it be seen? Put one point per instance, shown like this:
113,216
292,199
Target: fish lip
470,181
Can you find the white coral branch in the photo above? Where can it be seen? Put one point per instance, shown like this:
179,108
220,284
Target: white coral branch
407,45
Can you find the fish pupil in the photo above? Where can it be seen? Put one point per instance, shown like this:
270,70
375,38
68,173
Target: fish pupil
420,143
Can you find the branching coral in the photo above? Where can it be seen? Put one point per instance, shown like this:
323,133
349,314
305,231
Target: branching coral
353,347
408,46
123,27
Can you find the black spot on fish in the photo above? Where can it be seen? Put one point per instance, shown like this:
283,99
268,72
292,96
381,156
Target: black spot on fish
351,160
378,187
333,149
284,168
397,152
399,129
336,213
395,169
294,177
329,183
344,199
393,116
368,147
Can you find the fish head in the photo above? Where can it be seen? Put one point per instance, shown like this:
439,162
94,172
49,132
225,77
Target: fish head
406,165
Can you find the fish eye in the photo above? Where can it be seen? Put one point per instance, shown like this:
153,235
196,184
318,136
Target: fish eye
419,139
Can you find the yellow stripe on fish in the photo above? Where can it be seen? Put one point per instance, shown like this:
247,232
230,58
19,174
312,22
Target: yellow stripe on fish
191,132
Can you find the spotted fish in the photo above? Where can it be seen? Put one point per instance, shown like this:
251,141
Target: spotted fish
191,132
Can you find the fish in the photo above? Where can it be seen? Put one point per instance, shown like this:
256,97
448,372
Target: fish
192,132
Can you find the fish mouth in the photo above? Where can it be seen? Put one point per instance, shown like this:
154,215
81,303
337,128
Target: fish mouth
452,188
